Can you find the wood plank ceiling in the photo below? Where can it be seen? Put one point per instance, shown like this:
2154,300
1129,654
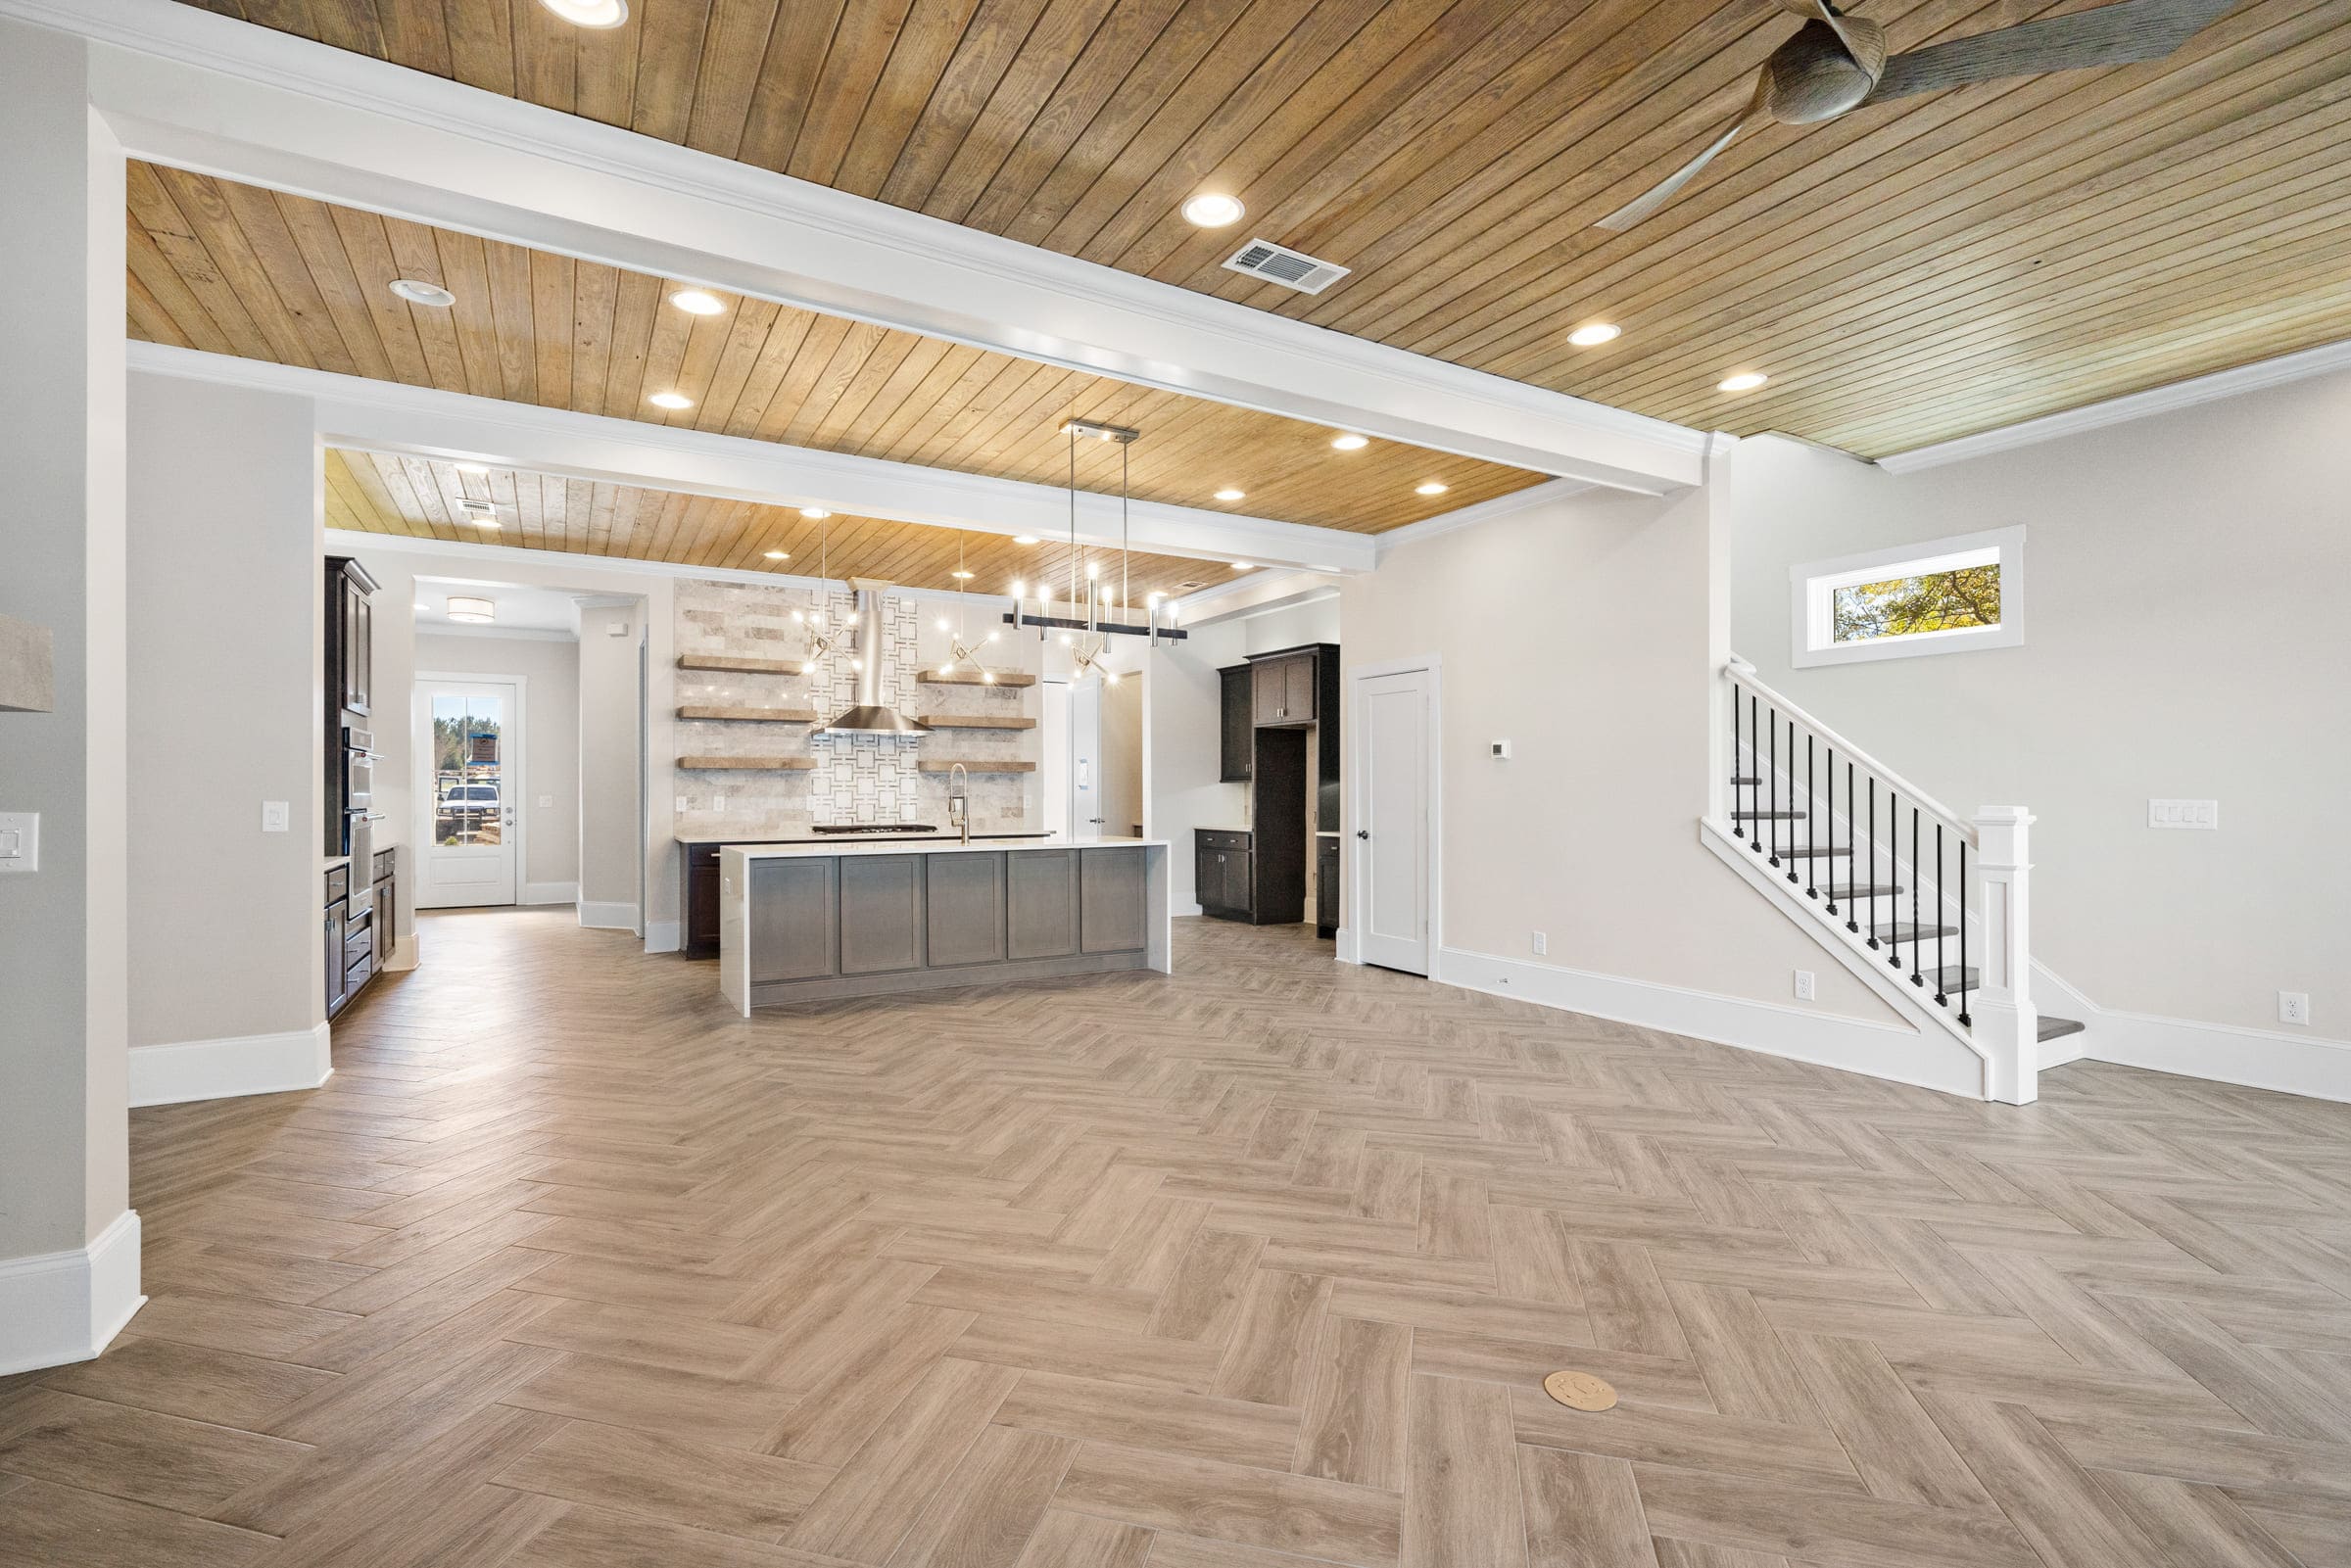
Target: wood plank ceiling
236,269
420,498
1918,270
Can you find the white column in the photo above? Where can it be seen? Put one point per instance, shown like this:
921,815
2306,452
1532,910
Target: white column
2005,1022
69,1241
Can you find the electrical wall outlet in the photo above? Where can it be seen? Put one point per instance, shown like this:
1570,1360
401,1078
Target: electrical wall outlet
1541,943
1803,985
276,817
2293,1007
681,805
2188,815
1502,750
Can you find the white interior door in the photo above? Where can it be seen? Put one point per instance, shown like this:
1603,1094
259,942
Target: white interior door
1085,758
1393,756
469,755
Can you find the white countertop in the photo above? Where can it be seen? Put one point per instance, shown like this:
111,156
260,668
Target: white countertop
924,846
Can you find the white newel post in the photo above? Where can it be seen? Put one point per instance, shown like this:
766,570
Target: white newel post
2004,1020
1722,758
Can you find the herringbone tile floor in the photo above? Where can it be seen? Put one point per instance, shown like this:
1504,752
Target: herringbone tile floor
1254,1267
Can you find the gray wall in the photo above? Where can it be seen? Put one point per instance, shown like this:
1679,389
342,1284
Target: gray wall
610,780
226,711
2186,639
550,807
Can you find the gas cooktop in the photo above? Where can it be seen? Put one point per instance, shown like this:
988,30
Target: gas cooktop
874,828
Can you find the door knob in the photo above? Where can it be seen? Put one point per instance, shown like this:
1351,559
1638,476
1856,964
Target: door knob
1363,832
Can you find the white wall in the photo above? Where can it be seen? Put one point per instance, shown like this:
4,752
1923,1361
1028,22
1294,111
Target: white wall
611,781
2186,639
226,711
549,808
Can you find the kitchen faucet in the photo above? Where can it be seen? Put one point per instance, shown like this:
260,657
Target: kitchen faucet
959,800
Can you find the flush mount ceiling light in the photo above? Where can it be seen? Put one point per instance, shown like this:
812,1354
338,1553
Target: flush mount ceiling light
1592,334
1024,539
418,292
472,611
1244,567
815,514
670,399
1744,381
1350,443
1229,493
589,13
779,555
698,301
1431,487
1213,210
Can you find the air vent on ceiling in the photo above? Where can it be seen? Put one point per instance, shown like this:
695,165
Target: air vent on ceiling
1279,264
479,509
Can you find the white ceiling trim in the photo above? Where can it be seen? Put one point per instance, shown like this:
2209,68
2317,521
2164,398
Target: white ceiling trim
189,88
1247,592
2299,367
387,416
1484,511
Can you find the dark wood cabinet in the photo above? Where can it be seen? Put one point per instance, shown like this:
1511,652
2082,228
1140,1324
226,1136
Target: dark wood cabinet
349,639
1237,725
1224,873
1326,884
363,903
1283,688
1298,690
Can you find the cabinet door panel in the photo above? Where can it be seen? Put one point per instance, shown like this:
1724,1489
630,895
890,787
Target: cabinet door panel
1239,895
1267,691
965,909
1207,877
1298,688
1040,903
792,932
881,913
1237,749
1110,900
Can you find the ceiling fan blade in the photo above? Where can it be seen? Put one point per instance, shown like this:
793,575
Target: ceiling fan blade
2118,35
1659,194
1822,11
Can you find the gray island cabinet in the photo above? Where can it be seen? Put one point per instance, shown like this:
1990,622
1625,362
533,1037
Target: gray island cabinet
805,922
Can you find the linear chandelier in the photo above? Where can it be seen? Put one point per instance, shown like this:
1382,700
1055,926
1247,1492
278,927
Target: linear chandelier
1083,631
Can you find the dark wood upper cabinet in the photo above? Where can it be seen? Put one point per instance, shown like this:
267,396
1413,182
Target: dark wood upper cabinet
1298,688
1235,749
1286,687
349,639
1265,692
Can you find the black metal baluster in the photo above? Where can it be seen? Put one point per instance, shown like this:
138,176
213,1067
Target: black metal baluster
1853,889
1832,820
1942,985
1964,1021
1872,858
1811,828
1771,776
1755,771
1738,827
1916,978
1791,847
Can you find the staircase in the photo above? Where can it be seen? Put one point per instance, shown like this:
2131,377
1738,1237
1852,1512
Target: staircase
1929,908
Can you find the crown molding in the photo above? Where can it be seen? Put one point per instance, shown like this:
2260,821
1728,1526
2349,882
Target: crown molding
184,86
1485,511
2277,372
387,416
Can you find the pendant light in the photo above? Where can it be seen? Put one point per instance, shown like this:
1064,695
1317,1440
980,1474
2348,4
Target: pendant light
959,651
819,643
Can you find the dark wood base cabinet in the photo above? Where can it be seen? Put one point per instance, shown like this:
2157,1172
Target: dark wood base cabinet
1326,884
360,923
1222,874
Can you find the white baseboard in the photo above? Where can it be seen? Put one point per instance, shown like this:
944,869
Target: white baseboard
663,936
405,952
1927,1060
1184,910
60,1307
551,893
222,1070
2289,1063
1346,949
2053,997
608,915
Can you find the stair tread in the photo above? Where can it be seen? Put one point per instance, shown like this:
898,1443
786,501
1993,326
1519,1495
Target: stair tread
1901,931
1741,778
1769,816
1863,890
2053,1028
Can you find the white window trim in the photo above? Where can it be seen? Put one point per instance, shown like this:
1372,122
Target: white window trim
1812,586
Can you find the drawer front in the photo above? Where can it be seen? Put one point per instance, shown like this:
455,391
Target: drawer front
383,864
359,947
357,975
1217,838
338,885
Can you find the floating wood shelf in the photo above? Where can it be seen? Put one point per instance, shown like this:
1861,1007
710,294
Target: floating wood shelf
991,765
718,661
751,764
965,678
751,715
976,721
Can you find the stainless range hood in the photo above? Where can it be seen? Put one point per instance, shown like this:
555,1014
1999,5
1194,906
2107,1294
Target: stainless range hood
870,715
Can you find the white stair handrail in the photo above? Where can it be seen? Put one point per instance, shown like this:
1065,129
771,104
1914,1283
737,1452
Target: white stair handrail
1743,672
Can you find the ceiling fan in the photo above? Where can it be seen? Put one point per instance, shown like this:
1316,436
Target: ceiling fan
1837,63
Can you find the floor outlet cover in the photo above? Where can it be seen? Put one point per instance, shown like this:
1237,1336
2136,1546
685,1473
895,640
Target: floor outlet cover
1580,1391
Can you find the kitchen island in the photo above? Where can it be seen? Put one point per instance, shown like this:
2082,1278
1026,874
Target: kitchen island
806,922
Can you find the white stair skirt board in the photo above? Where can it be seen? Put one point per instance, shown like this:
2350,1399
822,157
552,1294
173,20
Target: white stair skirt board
551,893
2286,1061
60,1307
662,936
606,914
1929,1061
222,1070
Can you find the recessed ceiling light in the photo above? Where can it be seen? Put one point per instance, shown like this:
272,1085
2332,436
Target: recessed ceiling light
417,292
697,301
1744,381
1244,567
1213,210
473,468
1229,493
427,608
779,555
670,399
589,13
815,514
961,577
1350,443
1592,334
1432,487
1024,539
473,611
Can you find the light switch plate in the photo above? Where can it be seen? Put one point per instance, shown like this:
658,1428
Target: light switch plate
2185,815
20,842
276,817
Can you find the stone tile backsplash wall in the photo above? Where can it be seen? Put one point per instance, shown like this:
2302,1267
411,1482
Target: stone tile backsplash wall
856,778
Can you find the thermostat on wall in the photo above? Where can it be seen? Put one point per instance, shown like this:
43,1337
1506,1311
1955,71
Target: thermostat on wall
1502,750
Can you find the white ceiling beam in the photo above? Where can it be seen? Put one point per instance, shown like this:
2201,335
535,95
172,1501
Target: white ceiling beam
185,87
387,416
